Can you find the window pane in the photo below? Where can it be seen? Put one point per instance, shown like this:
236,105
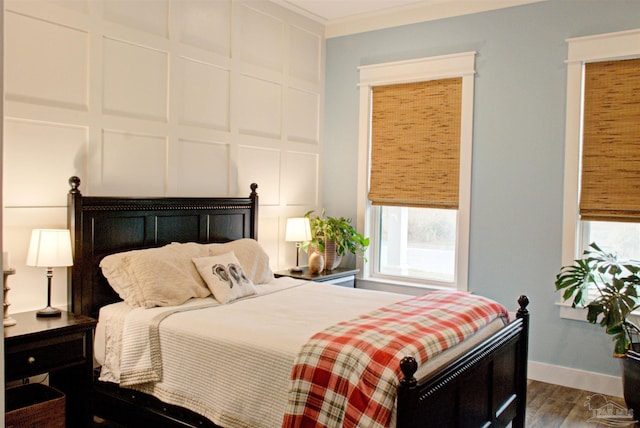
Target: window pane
418,243
621,238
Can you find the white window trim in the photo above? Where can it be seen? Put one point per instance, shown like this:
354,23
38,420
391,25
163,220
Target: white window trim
602,47
440,67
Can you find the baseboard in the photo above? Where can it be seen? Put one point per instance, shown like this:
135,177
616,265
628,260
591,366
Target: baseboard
573,378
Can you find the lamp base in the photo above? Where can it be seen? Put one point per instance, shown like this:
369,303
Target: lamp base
49,312
296,269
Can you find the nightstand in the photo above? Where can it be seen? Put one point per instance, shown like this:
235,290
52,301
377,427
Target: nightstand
62,347
344,277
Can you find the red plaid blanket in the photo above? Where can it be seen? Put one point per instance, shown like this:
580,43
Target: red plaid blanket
347,375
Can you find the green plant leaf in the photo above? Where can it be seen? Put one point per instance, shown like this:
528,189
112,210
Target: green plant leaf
336,229
616,283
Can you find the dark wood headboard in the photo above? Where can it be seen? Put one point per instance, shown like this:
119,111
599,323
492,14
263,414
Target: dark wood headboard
105,225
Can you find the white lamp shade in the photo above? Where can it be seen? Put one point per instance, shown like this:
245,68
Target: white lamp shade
50,248
298,230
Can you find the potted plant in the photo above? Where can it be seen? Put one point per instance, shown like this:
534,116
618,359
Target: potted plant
615,283
334,236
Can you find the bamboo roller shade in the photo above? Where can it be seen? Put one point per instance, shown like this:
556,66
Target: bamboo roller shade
610,182
415,144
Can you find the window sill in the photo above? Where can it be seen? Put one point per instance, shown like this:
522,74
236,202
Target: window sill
403,287
580,314
569,313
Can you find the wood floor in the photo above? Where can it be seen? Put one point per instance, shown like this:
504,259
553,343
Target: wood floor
552,406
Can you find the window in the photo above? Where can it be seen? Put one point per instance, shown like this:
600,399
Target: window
602,150
416,243
610,164
415,169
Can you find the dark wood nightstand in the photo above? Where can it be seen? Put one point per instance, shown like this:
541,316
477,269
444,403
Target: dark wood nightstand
62,347
340,276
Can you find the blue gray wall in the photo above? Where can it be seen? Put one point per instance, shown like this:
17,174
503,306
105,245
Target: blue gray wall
518,148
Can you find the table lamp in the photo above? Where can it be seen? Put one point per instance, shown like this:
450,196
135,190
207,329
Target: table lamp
298,230
50,248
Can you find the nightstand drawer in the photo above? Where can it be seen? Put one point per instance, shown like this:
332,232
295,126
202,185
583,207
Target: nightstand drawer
344,277
347,281
41,356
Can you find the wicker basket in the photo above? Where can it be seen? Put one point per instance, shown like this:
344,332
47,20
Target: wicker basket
34,406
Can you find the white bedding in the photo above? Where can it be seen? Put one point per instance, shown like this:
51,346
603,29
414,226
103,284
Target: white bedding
241,378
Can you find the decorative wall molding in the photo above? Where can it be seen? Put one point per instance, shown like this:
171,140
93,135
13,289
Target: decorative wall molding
158,98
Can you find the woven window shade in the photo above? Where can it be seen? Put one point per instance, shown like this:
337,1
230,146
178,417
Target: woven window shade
610,182
415,144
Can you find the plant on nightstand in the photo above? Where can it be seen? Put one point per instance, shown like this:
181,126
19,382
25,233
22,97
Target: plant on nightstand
334,236
616,283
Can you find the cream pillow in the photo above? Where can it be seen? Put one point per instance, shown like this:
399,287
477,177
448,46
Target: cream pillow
254,260
162,276
225,277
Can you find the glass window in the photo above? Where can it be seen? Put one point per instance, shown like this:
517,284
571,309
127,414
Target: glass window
418,243
621,238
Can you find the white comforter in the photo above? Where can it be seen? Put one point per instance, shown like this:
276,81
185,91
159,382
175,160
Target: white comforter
256,338
232,363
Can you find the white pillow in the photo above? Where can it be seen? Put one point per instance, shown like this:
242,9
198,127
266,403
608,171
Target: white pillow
225,277
162,276
252,257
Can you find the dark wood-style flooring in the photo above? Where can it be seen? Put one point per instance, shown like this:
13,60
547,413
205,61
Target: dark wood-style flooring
552,406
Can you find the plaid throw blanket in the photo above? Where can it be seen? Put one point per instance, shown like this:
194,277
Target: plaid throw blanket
347,375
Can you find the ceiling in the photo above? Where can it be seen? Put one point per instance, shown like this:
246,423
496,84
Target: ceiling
342,17
329,10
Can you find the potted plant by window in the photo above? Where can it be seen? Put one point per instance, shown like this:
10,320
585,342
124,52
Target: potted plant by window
334,237
608,288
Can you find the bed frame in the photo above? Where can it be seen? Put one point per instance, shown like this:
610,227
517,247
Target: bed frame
485,387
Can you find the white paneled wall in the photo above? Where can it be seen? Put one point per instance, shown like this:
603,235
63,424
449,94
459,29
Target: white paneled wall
157,98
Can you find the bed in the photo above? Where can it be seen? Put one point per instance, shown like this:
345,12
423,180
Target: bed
484,386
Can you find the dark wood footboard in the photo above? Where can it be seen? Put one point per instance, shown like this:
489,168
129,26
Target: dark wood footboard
486,387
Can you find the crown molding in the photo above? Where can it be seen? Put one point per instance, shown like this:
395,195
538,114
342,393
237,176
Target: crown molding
427,10
421,11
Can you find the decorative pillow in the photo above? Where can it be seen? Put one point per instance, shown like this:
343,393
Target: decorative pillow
162,276
252,257
225,277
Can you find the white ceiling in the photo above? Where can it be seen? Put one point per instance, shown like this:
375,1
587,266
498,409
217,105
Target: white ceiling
329,10
342,17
